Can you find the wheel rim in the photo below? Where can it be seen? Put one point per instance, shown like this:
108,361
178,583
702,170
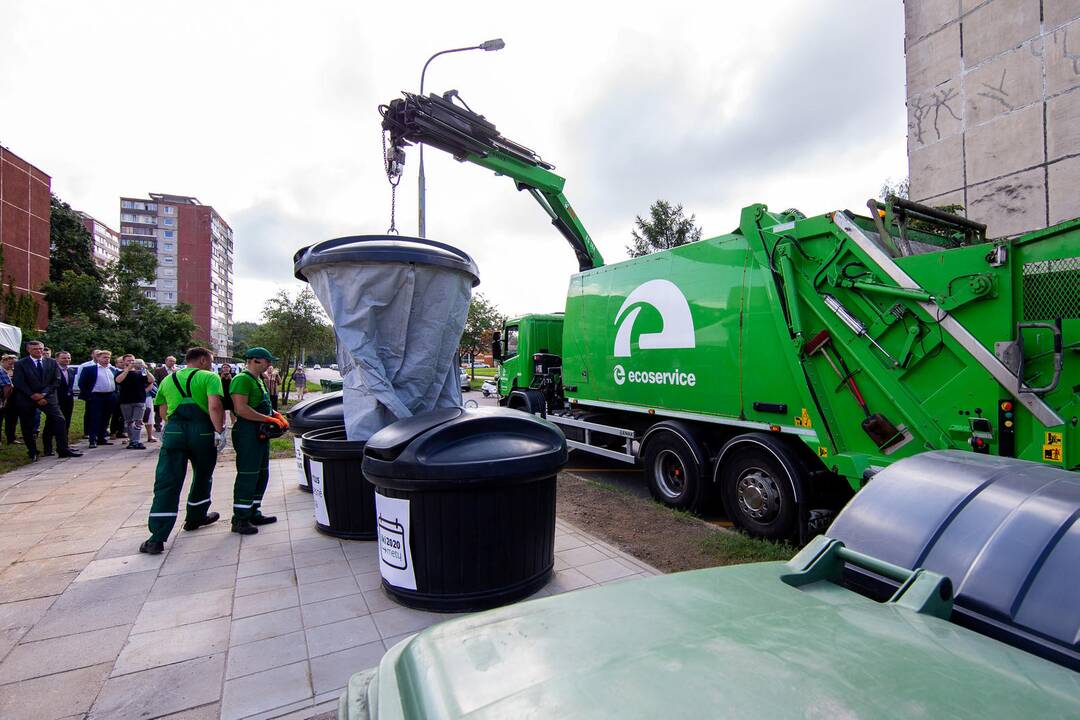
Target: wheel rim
670,474
758,495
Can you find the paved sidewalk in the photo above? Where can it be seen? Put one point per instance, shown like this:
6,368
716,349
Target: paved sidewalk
269,625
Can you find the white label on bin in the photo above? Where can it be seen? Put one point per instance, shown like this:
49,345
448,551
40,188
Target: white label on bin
395,556
300,476
317,492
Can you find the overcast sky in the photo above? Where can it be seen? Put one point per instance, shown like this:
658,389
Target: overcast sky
267,111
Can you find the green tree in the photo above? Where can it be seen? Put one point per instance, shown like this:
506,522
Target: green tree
242,332
291,325
483,319
894,188
112,311
666,227
70,243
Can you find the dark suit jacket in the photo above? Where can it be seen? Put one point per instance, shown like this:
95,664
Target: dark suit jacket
65,390
88,377
27,381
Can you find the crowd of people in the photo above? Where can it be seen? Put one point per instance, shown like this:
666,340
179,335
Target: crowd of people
118,396
186,405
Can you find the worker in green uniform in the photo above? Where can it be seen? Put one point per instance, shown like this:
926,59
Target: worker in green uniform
251,438
192,399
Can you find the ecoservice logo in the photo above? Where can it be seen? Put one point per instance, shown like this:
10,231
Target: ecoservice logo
666,298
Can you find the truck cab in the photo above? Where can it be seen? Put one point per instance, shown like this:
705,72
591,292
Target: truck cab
522,338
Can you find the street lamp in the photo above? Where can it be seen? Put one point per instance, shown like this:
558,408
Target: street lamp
487,46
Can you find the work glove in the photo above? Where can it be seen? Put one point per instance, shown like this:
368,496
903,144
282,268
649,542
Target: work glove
280,420
221,440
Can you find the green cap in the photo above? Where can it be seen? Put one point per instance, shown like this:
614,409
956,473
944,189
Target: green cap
258,353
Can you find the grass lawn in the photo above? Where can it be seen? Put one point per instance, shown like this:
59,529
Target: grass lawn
13,456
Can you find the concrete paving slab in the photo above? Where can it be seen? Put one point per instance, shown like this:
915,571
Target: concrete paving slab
398,620
323,571
262,552
122,565
23,612
269,581
161,691
28,588
183,610
267,625
265,654
332,671
176,563
264,566
47,657
54,696
341,635
264,602
192,583
333,610
172,645
117,586
59,622
266,690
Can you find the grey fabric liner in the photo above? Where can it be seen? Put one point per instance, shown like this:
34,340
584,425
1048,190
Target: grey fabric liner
398,327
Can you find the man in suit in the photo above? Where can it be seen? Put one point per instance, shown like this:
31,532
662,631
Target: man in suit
36,380
97,386
65,395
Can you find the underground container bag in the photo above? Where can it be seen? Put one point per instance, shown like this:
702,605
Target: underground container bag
344,500
465,502
315,413
398,305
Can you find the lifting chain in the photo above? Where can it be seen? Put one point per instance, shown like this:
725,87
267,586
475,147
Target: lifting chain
393,161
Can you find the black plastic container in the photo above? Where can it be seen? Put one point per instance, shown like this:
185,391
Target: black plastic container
466,506
344,499
319,412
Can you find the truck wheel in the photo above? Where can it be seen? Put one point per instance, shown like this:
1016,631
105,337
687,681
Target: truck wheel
672,469
758,493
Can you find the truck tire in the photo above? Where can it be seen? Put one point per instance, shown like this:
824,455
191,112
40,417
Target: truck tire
758,477
528,400
674,463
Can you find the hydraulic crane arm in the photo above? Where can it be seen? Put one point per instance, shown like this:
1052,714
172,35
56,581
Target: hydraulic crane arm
437,122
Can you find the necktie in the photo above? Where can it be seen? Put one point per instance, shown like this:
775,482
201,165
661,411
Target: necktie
41,376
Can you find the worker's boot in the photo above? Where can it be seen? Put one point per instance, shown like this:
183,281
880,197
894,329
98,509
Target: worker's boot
261,519
210,519
244,527
152,547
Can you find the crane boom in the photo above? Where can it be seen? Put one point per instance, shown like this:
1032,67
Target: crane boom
437,122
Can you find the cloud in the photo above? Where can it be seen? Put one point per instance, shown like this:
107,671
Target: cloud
820,84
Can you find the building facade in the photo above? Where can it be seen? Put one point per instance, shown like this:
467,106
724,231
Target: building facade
993,101
106,240
25,208
194,248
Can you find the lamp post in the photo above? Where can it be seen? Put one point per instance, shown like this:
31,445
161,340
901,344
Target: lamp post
487,46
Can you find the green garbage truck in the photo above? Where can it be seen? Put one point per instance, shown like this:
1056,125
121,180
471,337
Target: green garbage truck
777,368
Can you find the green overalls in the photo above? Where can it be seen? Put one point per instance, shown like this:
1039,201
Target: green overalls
252,460
189,436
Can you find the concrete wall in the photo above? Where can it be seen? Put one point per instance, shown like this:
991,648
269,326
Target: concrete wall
993,100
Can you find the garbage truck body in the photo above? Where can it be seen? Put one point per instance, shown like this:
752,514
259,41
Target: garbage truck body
777,368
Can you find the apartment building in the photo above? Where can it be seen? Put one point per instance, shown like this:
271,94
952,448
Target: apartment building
25,209
106,247
194,248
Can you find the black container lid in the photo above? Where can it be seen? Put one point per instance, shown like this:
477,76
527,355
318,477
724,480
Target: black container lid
455,447
331,443
384,249
318,412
